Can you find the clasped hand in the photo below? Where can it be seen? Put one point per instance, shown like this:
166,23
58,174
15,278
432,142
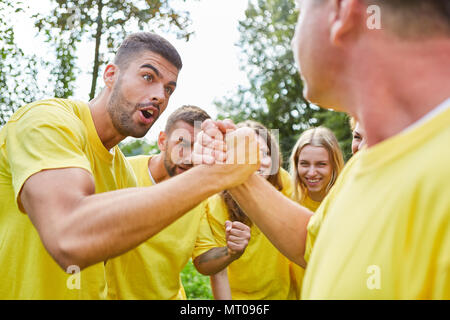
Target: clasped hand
233,152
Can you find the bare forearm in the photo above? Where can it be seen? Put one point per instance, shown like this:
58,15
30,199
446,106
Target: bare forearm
105,225
220,286
213,261
282,220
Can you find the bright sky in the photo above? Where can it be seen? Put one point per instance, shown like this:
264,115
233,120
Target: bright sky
210,59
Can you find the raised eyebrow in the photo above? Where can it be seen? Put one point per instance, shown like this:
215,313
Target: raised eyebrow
149,66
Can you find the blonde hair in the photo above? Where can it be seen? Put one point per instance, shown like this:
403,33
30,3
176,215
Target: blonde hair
316,137
352,122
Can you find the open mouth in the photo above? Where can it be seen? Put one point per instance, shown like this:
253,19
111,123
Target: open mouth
147,113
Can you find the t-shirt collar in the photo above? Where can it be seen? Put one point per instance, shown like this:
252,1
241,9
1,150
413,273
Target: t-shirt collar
436,111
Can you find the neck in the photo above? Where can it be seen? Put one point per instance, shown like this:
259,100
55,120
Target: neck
397,86
157,168
102,121
317,196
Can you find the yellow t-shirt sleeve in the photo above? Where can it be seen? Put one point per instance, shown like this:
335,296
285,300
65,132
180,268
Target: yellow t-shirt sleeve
313,230
205,240
43,138
217,214
211,231
287,183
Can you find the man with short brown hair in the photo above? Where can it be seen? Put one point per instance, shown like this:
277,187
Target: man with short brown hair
60,164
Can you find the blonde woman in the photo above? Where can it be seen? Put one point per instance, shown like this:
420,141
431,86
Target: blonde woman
315,164
261,272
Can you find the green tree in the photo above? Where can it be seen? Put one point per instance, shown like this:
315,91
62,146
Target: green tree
18,71
107,22
274,96
196,285
135,147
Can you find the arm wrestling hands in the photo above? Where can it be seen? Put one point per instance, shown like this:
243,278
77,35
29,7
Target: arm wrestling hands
79,227
221,142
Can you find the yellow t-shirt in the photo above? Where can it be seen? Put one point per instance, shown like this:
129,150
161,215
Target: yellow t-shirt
262,272
152,270
383,232
297,271
49,134
310,204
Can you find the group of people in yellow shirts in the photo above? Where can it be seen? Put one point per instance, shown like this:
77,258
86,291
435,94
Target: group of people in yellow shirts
254,271
78,220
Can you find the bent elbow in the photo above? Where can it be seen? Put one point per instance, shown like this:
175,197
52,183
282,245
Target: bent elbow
65,254
200,268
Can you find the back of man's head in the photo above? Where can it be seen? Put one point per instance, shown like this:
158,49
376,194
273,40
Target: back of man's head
415,18
136,43
189,114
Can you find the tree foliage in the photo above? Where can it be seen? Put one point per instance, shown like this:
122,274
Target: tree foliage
274,96
18,71
196,285
71,24
135,147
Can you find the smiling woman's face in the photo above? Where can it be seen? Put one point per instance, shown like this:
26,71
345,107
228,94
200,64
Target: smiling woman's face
314,170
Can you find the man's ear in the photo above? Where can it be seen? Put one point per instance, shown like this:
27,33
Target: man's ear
110,75
162,140
345,19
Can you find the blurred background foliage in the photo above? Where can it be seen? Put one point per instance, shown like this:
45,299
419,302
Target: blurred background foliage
66,28
18,71
135,147
196,285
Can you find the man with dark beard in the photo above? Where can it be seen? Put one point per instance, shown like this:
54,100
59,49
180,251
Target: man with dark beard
152,270
61,167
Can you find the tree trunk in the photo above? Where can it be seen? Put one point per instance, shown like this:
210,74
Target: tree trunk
98,37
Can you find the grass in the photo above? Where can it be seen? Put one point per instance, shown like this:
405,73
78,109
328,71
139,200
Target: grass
196,285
